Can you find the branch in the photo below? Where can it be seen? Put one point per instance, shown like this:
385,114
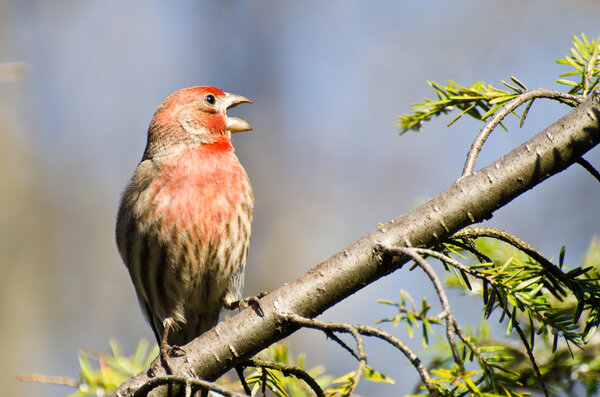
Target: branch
367,330
415,254
549,267
441,292
54,380
189,384
589,168
287,369
329,328
529,351
470,199
485,132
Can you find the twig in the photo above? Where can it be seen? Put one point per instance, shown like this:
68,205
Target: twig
464,338
590,296
476,232
414,253
469,246
441,292
467,341
55,380
368,331
589,168
361,355
189,383
547,265
240,372
362,358
287,369
454,263
523,338
343,344
188,389
472,346
485,132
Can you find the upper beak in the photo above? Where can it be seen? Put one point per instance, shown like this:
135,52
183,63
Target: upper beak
235,124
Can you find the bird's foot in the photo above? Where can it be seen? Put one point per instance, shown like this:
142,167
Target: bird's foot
175,351
164,363
245,303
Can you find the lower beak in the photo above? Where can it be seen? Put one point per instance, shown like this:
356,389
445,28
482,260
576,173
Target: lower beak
235,124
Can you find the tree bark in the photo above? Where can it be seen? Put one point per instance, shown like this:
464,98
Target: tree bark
469,200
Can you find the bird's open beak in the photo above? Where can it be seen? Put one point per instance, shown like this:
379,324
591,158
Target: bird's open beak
235,124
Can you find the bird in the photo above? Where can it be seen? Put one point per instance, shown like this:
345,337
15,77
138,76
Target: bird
185,217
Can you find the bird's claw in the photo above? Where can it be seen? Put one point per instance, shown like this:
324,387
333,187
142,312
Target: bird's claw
245,303
165,363
175,351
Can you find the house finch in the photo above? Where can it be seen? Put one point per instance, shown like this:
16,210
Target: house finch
183,226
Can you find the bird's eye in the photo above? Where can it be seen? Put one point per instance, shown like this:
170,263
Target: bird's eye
210,99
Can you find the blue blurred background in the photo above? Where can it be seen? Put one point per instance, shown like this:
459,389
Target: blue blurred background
327,80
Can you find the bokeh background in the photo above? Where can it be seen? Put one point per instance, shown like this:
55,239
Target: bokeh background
327,80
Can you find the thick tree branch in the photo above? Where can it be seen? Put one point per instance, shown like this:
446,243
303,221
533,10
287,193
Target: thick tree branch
469,200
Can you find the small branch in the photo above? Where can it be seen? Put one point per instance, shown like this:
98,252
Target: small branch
54,380
477,232
343,344
469,246
463,337
589,168
361,356
441,292
362,359
456,264
472,347
287,369
189,383
486,365
556,288
368,331
485,132
240,372
523,338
